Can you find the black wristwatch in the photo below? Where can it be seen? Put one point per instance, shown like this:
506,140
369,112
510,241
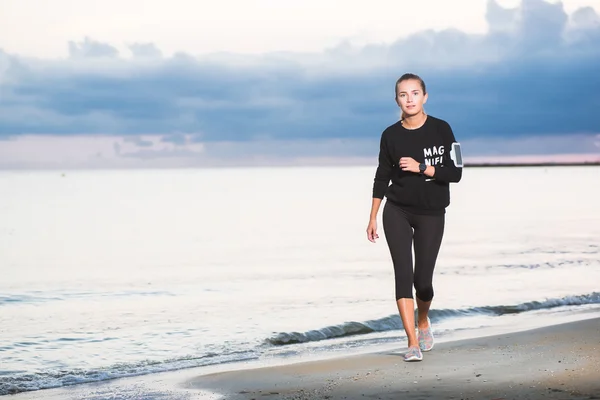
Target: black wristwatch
422,168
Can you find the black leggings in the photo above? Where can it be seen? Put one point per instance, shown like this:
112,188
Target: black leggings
400,228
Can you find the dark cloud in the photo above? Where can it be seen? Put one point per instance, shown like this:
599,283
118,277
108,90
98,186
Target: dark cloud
535,72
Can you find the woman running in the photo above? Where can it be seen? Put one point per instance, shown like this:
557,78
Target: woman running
421,156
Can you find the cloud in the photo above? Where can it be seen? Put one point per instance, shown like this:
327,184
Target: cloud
500,19
91,49
158,151
541,25
145,50
534,74
97,151
139,141
586,18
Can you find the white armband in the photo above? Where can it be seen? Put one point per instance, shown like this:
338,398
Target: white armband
456,155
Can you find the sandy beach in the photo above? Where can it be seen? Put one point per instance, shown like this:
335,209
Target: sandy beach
555,362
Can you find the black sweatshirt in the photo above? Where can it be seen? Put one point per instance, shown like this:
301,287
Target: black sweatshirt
416,193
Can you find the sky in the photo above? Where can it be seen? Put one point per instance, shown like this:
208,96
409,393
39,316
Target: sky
191,83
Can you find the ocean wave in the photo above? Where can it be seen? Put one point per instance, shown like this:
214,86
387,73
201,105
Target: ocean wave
394,322
25,382
24,298
552,265
42,297
12,382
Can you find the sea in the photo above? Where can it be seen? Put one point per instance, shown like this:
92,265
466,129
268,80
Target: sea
109,274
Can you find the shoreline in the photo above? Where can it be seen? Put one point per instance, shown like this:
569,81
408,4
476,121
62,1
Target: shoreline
556,361
278,164
533,164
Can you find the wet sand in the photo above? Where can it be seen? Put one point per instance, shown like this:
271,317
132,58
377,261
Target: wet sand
555,362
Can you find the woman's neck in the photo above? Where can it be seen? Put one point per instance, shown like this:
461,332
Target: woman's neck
414,121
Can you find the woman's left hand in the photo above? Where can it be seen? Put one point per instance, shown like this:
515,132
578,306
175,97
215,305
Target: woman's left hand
409,164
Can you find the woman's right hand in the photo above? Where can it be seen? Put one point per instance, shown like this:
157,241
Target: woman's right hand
372,231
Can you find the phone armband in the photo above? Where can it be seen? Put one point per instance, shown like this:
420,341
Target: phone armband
456,154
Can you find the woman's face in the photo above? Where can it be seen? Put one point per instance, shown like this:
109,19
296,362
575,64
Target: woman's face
410,97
